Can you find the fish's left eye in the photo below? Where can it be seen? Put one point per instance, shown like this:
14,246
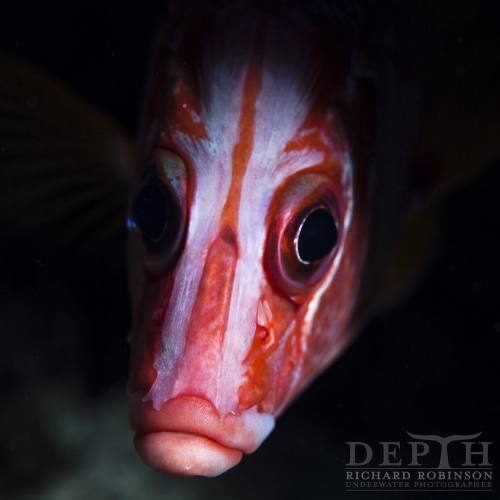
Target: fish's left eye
317,236
304,235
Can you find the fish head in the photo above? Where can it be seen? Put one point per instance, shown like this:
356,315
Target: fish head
245,242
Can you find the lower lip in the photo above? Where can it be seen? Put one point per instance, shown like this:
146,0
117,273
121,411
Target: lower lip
186,454
187,436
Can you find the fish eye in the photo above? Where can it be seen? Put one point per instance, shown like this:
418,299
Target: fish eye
317,236
305,234
155,213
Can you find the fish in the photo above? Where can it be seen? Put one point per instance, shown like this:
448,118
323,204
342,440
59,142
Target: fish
281,192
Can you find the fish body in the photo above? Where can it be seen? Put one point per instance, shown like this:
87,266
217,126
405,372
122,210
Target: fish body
259,127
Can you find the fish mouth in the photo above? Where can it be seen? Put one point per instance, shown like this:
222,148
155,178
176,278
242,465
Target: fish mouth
187,435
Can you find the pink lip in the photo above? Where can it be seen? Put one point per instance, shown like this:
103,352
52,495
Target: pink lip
187,435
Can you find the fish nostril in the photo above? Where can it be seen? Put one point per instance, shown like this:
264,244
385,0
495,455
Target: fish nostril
262,333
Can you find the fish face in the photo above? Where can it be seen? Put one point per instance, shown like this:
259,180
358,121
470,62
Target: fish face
245,247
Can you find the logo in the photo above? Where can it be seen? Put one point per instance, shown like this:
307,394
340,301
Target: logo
422,463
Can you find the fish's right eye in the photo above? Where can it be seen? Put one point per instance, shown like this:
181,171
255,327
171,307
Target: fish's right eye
155,213
158,211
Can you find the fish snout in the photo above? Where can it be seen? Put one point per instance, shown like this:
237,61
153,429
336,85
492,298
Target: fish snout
188,436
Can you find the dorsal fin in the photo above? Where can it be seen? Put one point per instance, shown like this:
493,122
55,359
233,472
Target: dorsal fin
459,128
460,132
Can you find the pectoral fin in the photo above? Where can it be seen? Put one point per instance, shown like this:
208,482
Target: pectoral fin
64,165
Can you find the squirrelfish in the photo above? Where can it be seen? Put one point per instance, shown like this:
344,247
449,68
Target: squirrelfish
274,198
250,220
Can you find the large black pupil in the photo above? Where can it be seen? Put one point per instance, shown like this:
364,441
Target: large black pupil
318,236
151,211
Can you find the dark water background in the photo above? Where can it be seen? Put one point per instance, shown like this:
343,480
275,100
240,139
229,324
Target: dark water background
428,366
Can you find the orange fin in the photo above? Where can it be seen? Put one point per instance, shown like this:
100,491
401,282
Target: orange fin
64,165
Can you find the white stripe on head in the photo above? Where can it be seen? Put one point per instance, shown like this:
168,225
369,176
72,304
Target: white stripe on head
281,109
221,76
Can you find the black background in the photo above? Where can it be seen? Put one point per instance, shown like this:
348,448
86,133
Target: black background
427,366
